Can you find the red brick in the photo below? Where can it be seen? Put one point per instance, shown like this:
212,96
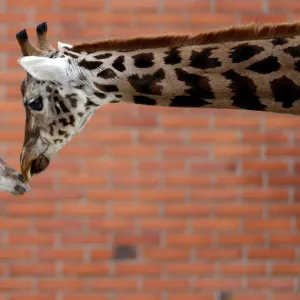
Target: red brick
85,296
235,5
112,223
60,284
268,224
275,121
270,283
186,5
185,151
191,296
214,194
249,296
187,209
200,179
263,18
166,284
283,151
159,166
86,180
82,238
12,17
284,209
262,253
58,224
238,209
162,224
241,238
284,179
219,253
265,137
286,269
237,150
101,254
109,18
15,284
161,195
116,137
133,5
147,239
83,209
284,296
15,253
89,4
116,283
13,223
166,19
32,297
30,209
262,165
216,224
32,269
265,194
213,166
132,121
110,195
65,194
47,4
189,239
228,179
33,238
138,268
160,137
135,209
166,253
134,180
110,165
285,238
237,122
243,269
140,296
58,18
184,121
190,268
212,19
61,254
218,283
289,5
84,269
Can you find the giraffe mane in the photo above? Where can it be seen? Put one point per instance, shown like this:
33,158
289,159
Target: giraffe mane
251,31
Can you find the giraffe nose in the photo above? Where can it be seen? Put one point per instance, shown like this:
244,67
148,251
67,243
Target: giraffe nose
21,178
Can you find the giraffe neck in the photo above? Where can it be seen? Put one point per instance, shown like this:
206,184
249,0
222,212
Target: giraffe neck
261,75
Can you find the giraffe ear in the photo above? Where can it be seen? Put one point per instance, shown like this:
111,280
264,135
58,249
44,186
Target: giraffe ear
45,68
62,46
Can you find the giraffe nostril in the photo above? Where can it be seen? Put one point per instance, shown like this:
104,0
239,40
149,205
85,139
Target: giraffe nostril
21,178
20,190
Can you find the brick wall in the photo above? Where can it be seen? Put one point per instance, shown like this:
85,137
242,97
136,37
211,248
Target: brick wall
151,203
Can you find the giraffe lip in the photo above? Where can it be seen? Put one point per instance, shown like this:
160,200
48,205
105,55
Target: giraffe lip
35,166
39,164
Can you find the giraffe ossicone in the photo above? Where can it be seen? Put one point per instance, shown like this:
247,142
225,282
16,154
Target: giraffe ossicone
249,67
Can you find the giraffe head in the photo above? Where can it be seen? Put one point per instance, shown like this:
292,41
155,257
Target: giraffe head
12,181
56,98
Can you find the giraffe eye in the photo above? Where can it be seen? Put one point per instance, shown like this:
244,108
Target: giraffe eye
37,104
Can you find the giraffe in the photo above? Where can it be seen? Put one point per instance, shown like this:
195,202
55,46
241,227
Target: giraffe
248,67
12,181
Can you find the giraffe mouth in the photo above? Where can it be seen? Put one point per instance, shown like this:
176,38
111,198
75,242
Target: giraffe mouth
35,166
39,165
